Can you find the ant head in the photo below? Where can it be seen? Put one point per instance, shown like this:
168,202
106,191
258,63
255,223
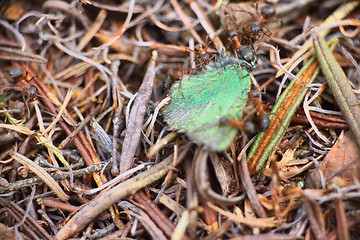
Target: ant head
267,11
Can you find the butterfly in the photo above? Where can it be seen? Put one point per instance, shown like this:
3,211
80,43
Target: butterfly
200,102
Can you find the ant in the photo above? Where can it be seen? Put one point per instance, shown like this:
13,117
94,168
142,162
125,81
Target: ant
257,118
28,90
243,51
251,29
267,13
203,57
258,106
175,76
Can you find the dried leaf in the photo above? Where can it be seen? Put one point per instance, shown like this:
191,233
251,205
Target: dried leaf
342,160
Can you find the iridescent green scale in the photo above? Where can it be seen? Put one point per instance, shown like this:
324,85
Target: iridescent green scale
200,103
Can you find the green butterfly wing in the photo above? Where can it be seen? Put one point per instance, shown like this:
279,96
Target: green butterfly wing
199,102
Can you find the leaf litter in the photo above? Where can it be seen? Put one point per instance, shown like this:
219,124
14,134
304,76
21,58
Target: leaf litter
85,150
